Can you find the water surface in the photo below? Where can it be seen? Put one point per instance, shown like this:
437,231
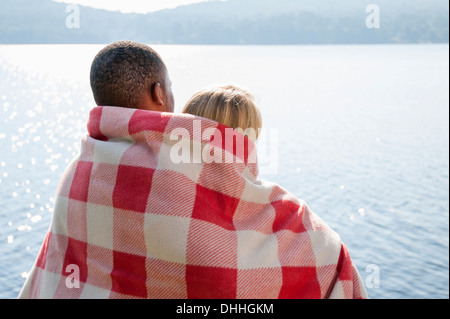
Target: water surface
363,139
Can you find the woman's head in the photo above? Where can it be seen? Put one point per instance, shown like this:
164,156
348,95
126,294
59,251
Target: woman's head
228,105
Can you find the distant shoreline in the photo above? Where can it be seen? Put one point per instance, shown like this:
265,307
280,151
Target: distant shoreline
232,22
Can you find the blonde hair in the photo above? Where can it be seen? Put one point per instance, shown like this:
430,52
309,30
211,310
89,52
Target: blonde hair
228,105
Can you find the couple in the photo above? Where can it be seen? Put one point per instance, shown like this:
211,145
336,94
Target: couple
131,223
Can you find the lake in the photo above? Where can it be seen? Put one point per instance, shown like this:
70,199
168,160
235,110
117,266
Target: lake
362,137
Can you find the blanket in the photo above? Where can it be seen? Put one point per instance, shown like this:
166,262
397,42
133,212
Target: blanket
169,206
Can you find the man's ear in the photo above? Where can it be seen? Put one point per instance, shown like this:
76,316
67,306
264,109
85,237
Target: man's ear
158,94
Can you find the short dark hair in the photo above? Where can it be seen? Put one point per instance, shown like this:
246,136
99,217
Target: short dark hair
122,71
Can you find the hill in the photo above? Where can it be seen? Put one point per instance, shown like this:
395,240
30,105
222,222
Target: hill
232,22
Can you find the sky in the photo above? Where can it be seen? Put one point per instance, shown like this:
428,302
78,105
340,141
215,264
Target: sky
127,6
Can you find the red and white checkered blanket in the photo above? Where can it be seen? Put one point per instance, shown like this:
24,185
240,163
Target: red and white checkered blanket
133,221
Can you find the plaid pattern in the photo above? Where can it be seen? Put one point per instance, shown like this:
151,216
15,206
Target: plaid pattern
139,225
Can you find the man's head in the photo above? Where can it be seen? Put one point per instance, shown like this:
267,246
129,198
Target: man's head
131,74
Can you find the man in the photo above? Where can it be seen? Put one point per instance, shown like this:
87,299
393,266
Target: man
130,74
130,222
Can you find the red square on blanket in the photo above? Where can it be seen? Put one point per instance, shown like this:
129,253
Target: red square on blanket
76,256
93,127
211,282
288,215
80,189
129,275
299,283
142,120
233,142
132,188
214,207
40,262
344,266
